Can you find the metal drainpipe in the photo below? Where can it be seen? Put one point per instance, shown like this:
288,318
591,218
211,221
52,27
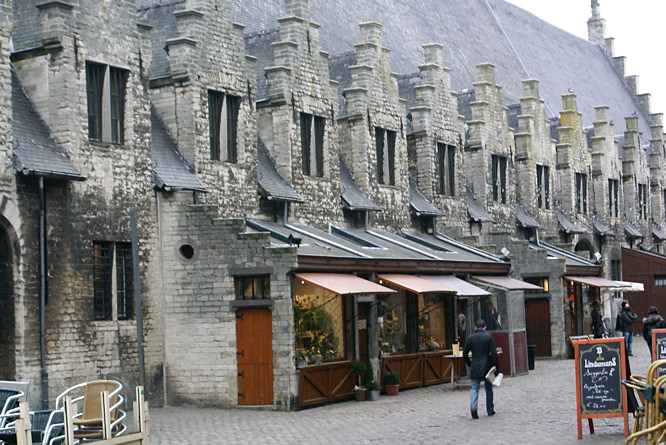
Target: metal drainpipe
367,218
434,225
285,213
160,237
42,293
137,298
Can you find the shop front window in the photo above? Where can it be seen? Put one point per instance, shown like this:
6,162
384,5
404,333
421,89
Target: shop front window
392,324
493,310
319,324
432,323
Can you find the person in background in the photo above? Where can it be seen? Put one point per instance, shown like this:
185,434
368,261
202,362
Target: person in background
628,316
652,321
484,357
597,322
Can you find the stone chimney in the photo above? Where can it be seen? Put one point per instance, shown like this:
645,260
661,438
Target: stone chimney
596,25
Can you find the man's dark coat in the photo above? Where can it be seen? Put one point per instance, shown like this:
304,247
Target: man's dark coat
484,354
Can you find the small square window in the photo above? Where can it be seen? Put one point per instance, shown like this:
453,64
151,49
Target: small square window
253,287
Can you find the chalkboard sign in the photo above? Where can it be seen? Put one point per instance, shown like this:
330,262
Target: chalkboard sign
600,369
659,348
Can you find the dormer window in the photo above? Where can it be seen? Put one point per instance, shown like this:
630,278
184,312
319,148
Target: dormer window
446,155
499,178
581,193
543,186
385,144
223,126
105,88
312,144
642,201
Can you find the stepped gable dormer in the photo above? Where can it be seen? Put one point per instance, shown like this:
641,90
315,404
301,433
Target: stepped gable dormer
202,86
636,177
435,141
657,168
490,150
573,160
606,170
372,133
296,119
535,155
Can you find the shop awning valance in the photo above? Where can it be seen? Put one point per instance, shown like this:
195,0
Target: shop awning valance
507,283
462,287
343,284
415,284
629,286
598,282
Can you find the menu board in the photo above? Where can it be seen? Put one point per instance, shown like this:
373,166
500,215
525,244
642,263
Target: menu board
600,369
659,348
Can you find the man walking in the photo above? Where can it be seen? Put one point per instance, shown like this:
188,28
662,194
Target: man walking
628,316
484,357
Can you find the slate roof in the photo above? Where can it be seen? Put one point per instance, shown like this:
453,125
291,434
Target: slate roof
570,258
271,184
171,172
160,17
631,230
35,151
601,228
658,233
352,196
566,224
475,209
470,33
420,203
525,219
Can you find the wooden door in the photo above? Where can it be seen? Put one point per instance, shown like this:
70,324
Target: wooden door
537,321
254,338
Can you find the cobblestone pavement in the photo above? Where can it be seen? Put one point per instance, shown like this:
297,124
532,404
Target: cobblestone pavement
539,407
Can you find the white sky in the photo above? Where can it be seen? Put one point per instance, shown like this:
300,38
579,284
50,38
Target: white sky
636,25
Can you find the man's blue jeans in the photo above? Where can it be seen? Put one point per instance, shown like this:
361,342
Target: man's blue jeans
474,396
629,340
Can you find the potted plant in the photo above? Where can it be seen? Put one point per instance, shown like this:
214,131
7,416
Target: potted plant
359,369
392,383
373,390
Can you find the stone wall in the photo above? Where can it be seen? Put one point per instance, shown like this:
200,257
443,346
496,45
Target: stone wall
200,338
298,83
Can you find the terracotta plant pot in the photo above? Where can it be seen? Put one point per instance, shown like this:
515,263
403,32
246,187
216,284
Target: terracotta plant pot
359,394
392,390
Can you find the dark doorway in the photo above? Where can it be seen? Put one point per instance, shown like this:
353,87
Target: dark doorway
537,319
7,346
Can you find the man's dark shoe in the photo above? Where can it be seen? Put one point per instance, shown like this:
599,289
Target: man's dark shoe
491,414
475,415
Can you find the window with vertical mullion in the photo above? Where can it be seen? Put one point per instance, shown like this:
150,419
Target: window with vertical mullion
581,193
390,153
118,80
102,280
124,280
319,127
232,108
95,90
215,102
306,137
379,144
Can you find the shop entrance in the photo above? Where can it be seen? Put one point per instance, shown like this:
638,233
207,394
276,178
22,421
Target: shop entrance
7,354
254,340
363,332
537,319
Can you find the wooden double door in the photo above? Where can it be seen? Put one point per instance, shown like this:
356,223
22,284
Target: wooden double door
254,340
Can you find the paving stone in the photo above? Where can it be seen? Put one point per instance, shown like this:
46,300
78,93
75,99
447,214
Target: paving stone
539,407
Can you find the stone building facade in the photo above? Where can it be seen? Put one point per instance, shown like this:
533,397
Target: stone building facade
170,108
